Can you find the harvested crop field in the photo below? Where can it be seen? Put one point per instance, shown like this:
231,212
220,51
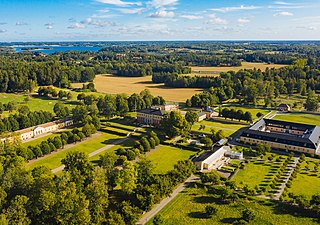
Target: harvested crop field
115,85
216,70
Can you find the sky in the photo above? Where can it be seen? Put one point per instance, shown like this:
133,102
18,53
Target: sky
123,20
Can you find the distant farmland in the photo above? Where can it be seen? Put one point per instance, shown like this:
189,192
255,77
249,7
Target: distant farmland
116,85
128,85
215,70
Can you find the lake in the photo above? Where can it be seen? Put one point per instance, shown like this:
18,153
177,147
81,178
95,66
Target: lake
47,49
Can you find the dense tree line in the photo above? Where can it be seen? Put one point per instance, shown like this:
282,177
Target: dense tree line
247,86
23,120
83,194
18,75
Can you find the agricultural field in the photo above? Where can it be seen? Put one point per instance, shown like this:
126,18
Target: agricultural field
216,70
227,127
189,207
299,118
164,158
128,85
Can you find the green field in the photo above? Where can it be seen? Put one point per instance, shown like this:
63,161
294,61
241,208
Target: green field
228,128
252,174
299,118
39,140
305,184
35,103
54,161
164,158
189,206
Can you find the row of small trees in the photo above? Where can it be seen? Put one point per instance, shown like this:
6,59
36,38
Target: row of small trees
24,120
145,144
54,143
236,114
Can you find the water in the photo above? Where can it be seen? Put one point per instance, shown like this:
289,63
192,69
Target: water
53,49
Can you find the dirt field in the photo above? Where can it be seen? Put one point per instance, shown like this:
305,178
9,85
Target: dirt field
214,71
115,85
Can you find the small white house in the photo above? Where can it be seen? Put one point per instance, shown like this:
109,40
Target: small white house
210,161
202,116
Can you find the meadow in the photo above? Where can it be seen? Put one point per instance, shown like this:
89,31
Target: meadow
128,85
189,207
165,157
299,118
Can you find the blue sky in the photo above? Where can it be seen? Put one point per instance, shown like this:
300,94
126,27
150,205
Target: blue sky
73,20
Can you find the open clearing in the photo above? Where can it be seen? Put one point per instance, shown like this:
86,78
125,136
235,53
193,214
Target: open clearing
128,85
216,70
164,158
306,118
189,207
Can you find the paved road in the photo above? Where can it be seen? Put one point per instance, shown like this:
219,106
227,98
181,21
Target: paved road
157,208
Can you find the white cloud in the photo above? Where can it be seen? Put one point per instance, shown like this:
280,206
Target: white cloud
103,11
3,23
97,23
162,14
243,21
217,20
162,3
118,2
307,27
237,8
76,26
21,23
131,11
282,3
191,17
49,26
283,14
2,31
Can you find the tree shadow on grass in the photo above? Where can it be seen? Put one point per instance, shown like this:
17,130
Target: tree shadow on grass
229,220
198,215
204,199
293,210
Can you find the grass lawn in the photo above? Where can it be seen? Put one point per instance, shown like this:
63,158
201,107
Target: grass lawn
35,103
189,206
54,160
164,158
299,118
228,128
39,140
305,184
252,174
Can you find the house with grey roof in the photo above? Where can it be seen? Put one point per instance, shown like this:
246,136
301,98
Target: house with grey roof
283,135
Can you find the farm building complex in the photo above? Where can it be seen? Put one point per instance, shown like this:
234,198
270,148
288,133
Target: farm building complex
284,135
